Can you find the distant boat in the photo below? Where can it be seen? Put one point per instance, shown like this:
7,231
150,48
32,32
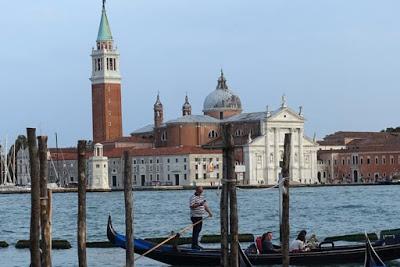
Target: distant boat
171,255
371,257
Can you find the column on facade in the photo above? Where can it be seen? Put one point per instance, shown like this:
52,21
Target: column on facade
301,153
276,152
292,152
266,156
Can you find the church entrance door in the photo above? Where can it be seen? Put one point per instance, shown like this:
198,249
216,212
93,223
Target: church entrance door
176,179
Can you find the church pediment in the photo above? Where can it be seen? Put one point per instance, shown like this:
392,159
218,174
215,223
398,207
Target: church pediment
286,115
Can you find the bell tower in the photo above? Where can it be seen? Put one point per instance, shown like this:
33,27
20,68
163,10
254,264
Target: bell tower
158,112
106,85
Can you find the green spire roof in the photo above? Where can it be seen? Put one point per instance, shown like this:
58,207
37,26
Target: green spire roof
104,28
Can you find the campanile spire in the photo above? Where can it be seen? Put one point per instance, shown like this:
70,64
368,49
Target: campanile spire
106,85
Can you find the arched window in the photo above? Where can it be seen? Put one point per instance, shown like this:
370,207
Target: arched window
238,132
213,134
164,136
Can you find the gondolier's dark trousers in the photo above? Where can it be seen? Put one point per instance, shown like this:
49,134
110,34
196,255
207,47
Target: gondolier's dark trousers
196,230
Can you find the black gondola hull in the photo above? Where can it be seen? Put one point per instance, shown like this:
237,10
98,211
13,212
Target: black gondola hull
211,257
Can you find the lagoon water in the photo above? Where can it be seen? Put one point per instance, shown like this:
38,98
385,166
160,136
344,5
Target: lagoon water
325,211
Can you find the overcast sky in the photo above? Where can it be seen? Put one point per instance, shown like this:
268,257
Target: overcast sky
338,59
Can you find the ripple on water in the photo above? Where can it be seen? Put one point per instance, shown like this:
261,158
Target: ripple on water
326,211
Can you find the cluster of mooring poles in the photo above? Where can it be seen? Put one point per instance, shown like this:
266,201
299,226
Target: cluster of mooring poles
41,198
40,230
228,205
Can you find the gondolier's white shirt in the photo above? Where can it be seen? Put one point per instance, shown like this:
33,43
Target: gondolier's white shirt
200,210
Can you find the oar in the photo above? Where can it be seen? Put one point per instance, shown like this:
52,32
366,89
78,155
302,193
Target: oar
171,237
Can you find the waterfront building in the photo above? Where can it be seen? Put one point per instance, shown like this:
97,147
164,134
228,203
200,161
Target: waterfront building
359,157
264,154
106,85
97,169
258,135
178,166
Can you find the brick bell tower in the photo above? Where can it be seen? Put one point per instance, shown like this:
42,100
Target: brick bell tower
106,85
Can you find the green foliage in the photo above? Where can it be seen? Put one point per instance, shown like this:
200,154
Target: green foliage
391,130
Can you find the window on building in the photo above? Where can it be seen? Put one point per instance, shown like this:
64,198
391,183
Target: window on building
168,177
158,177
184,159
97,166
204,167
134,161
176,160
184,167
185,176
368,160
217,175
158,161
164,136
391,160
361,161
151,161
142,161
383,160
342,161
204,176
167,160
212,134
376,161
196,167
151,177
168,168
238,132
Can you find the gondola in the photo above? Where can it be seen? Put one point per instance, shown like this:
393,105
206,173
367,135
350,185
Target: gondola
171,255
372,259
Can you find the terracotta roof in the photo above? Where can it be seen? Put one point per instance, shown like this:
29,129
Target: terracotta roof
159,151
371,142
344,138
128,139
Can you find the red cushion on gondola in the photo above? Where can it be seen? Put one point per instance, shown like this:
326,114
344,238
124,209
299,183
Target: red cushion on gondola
259,244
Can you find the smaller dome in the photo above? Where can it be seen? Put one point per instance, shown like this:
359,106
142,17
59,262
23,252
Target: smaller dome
222,98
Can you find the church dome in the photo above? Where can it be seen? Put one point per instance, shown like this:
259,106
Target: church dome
222,99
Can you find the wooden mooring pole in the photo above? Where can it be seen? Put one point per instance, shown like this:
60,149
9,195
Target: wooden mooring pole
82,203
285,201
228,204
44,219
128,210
35,198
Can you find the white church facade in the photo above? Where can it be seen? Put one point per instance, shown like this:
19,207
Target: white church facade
263,154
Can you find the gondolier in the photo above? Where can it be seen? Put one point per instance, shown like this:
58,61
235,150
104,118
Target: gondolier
198,208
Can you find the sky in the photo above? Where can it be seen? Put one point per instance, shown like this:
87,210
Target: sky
338,59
